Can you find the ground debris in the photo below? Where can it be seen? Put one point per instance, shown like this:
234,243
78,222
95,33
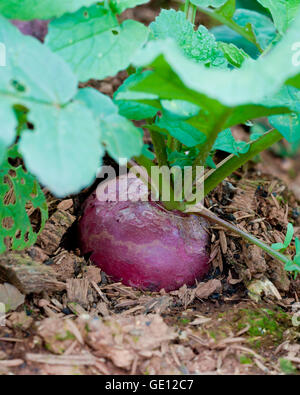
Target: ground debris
55,229
77,291
27,275
204,290
121,339
263,286
11,297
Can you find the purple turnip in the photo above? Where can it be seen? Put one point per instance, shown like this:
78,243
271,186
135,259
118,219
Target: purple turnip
142,244
36,28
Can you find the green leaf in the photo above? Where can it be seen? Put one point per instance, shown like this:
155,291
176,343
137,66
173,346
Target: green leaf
182,158
122,139
288,239
100,104
179,109
262,26
209,3
132,109
227,10
33,73
199,45
64,151
250,84
264,142
147,153
233,54
283,12
181,131
224,15
225,34
297,244
251,5
40,9
293,267
93,42
288,125
8,123
118,6
289,235
210,162
44,84
18,190
227,143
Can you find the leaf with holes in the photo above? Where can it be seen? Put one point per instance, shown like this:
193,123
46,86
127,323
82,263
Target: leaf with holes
45,85
93,42
20,196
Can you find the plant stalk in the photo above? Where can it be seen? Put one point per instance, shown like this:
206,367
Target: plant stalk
159,145
207,146
208,215
235,162
190,11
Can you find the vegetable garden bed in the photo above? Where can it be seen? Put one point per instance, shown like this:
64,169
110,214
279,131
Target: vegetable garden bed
210,84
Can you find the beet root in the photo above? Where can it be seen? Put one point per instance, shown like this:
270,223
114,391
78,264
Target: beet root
142,244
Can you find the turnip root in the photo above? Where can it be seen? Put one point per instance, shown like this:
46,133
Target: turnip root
36,28
142,244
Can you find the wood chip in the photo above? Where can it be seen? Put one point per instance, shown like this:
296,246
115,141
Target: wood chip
223,241
204,290
27,275
55,229
12,363
65,204
71,360
77,291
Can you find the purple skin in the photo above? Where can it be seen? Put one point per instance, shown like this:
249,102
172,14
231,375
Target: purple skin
142,244
36,28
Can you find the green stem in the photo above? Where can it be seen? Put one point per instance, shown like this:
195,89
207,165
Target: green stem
205,213
190,11
176,145
235,162
143,161
159,145
207,146
232,25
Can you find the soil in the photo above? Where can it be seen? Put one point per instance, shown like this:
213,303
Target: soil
241,319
